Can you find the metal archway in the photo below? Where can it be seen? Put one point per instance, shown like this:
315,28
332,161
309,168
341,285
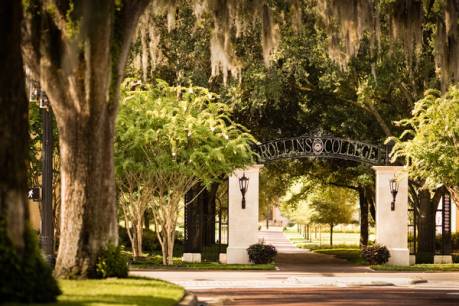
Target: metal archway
322,146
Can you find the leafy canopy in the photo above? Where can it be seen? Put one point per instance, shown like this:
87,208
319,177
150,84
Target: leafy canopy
165,130
332,206
430,142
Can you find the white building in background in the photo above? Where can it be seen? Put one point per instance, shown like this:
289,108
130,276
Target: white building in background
277,218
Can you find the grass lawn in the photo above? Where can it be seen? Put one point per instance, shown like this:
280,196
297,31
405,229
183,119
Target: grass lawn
119,292
323,240
418,268
155,262
350,254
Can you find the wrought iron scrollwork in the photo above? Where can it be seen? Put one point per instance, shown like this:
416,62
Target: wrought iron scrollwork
320,145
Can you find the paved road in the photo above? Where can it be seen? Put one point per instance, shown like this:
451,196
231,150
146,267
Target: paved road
306,278
328,296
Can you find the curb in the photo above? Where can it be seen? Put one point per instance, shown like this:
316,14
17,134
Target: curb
189,299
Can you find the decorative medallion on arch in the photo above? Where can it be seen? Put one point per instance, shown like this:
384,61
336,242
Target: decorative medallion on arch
321,145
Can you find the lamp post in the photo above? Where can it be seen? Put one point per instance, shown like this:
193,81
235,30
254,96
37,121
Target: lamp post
47,224
393,184
243,186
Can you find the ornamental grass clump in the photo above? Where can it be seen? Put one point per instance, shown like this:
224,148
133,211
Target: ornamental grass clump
376,254
261,253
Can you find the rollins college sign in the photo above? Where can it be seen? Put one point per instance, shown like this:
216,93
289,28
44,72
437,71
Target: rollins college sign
324,147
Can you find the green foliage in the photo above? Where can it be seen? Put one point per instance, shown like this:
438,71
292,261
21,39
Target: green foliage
352,255
430,142
455,241
149,240
26,279
376,254
165,130
296,204
156,262
332,206
314,247
261,253
302,90
273,185
418,268
168,140
130,291
111,262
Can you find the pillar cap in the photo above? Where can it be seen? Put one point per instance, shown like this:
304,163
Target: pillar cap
390,169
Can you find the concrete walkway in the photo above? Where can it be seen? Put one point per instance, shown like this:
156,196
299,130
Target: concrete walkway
292,258
299,268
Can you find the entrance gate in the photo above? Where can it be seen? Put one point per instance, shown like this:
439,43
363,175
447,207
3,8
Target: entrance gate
391,224
322,146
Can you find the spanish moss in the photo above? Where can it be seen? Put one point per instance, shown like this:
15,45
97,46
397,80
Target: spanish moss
347,22
230,18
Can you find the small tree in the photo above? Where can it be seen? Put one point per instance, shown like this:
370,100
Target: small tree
332,207
134,200
431,141
174,137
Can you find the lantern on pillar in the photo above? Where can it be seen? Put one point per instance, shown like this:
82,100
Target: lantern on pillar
393,184
243,186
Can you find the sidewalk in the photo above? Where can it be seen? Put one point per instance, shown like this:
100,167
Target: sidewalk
292,258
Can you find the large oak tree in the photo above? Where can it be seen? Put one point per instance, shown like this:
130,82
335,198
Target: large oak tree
78,51
25,276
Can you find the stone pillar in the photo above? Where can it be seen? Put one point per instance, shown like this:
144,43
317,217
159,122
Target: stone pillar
243,223
392,225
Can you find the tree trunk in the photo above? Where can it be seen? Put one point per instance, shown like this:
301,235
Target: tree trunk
331,235
81,72
426,235
164,251
134,243
25,277
13,128
135,236
168,245
139,236
363,218
89,216
170,250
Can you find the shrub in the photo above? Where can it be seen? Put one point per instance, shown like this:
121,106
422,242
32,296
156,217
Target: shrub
111,262
150,242
261,253
123,237
375,254
455,257
27,279
455,241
